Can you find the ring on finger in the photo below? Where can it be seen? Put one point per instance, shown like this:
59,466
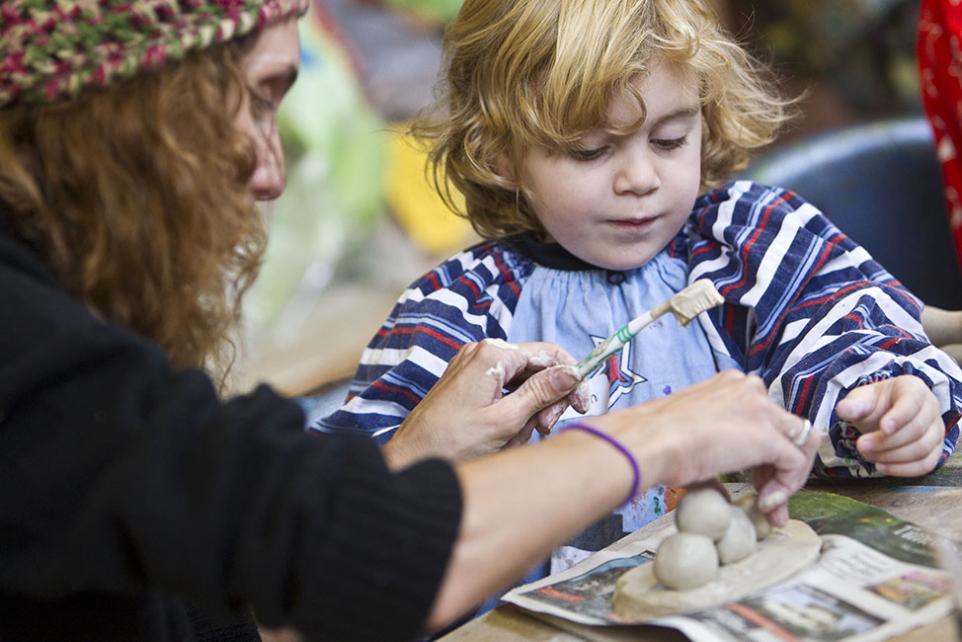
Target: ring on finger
801,437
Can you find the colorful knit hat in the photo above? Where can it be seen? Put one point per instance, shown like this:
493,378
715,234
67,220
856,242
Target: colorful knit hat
52,49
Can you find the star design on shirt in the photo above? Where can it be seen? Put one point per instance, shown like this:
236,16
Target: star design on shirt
621,380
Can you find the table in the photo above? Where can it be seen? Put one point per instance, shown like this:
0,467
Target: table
934,502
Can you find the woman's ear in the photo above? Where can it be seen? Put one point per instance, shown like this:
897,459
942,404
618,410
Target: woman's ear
506,168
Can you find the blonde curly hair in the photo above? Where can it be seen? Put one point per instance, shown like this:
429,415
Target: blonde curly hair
136,197
522,73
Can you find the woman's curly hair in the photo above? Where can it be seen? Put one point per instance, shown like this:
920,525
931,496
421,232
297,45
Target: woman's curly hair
522,73
136,197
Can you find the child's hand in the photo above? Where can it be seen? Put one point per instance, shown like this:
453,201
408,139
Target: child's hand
902,430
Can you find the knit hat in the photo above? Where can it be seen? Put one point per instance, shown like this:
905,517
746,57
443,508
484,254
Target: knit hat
52,49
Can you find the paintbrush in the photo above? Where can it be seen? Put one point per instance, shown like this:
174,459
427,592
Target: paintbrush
686,305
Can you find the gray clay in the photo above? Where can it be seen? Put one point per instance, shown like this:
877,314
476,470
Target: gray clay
686,561
704,511
748,503
738,542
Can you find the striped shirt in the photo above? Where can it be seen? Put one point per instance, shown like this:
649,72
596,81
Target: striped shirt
806,309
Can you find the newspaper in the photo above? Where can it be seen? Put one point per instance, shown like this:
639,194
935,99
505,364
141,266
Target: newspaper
876,577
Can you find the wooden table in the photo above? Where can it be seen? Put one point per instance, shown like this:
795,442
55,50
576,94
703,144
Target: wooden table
934,502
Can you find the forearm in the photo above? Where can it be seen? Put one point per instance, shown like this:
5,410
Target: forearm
866,335
509,522
521,503
943,327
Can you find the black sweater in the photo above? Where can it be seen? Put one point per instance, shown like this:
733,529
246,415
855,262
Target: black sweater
128,490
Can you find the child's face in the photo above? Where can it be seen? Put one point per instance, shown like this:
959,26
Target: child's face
616,202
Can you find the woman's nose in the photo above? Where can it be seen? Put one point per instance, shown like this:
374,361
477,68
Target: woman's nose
268,180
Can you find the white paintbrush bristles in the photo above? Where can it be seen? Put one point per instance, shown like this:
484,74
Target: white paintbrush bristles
686,305
693,300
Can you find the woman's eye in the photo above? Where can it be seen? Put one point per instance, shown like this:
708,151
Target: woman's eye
261,103
585,155
668,144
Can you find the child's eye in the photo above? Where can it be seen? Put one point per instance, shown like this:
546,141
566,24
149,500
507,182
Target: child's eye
668,144
585,155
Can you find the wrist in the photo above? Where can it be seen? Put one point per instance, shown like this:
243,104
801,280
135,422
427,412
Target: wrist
636,486
399,453
650,446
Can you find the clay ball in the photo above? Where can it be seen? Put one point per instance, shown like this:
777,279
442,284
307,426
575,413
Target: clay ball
704,511
738,542
749,504
686,561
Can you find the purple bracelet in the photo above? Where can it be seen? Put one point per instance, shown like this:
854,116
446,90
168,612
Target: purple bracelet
635,468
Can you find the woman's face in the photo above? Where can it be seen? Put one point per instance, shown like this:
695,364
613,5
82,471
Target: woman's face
270,68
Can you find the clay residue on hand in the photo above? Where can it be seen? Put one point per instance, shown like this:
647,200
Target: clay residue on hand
501,343
542,360
580,397
498,373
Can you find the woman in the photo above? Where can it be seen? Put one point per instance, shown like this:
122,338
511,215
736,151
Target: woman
134,139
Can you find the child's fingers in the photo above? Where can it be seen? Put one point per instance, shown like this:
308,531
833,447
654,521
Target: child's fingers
914,451
930,439
912,469
876,443
859,404
908,404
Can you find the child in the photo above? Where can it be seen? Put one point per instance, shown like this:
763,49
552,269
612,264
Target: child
581,133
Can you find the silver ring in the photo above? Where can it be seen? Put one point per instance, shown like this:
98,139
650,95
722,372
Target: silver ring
801,438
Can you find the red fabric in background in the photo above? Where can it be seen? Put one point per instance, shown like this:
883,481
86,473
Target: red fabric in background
940,74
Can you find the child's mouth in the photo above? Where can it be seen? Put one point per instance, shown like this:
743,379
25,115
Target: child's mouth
634,223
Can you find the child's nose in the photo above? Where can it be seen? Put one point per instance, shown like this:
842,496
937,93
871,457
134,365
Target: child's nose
637,174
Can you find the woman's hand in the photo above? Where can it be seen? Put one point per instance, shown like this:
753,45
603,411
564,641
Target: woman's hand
521,503
900,422
724,424
466,413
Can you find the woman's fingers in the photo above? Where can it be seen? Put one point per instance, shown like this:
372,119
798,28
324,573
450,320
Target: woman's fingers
524,436
775,483
790,467
538,392
543,354
465,413
580,397
548,417
542,378
529,358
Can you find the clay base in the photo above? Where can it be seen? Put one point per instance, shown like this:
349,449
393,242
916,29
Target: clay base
639,596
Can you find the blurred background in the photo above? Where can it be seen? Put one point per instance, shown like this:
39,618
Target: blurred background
359,221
